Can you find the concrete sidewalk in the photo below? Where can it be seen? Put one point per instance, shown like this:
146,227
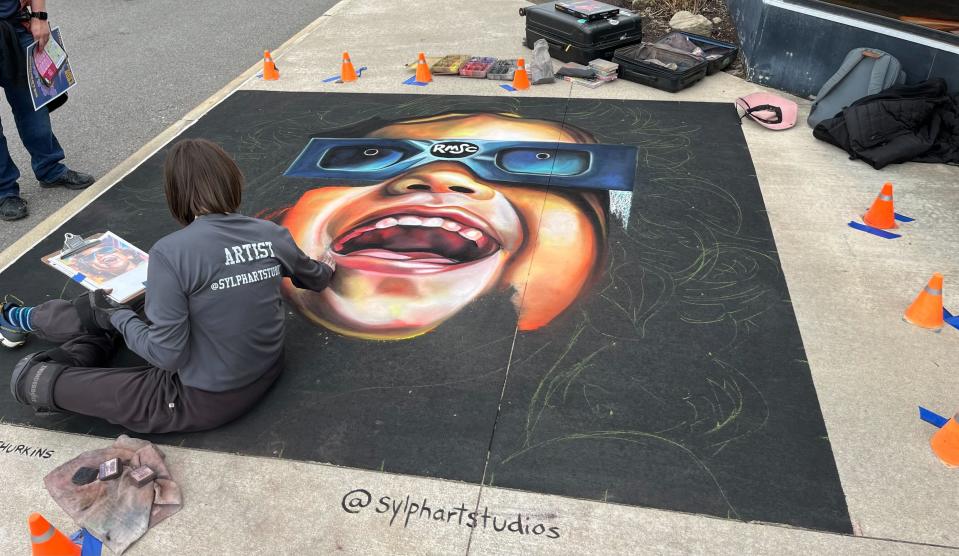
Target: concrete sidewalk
848,290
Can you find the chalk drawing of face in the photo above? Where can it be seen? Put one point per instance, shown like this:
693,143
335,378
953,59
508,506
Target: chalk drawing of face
113,261
417,248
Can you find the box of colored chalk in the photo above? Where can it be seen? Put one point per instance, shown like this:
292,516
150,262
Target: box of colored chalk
110,469
142,475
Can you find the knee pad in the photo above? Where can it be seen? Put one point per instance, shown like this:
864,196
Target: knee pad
33,379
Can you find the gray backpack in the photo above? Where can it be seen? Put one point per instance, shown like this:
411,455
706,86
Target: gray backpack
864,72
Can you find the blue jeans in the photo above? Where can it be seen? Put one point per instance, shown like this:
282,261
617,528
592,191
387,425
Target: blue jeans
35,132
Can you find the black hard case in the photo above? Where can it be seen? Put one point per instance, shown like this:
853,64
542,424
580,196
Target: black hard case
572,41
632,67
710,45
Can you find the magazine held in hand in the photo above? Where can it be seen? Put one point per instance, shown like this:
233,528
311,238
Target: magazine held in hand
105,261
49,73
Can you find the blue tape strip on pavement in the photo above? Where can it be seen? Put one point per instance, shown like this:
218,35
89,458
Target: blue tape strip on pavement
91,545
951,320
902,217
508,88
413,81
79,277
359,73
932,417
873,231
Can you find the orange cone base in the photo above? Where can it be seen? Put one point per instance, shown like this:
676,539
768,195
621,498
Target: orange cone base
270,73
926,312
884,225
520,80
945,443
934,327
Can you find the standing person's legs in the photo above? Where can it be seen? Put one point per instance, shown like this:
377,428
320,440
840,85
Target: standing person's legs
12,207
9,173
34,127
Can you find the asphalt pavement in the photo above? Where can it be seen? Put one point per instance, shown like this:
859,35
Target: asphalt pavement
140,66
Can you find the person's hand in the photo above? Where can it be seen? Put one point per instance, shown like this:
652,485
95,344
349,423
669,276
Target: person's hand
328,260
103,307
40,31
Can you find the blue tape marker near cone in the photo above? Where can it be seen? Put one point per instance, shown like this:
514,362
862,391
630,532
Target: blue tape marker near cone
413,81
950,319
874,231
932,417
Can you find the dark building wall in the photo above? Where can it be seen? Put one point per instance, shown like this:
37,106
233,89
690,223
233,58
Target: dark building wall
797,52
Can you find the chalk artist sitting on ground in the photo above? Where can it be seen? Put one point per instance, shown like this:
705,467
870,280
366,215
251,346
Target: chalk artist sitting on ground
214,321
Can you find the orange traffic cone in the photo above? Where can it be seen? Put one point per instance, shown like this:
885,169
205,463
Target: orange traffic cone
520,78
347,73
423,74
270,73
47,541
881,214
945,443
926,310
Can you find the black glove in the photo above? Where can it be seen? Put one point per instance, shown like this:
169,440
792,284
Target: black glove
95,309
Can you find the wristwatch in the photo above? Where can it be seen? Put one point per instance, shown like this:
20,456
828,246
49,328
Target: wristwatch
42,16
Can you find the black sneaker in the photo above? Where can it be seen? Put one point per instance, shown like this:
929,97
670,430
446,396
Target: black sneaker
70,180
13,208
11,336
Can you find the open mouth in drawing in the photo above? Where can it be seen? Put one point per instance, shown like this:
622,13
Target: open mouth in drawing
416,240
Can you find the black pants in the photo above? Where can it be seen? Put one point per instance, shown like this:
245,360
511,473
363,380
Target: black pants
143,399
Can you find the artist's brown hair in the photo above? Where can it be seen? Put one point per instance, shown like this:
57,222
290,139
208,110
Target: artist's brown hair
200,178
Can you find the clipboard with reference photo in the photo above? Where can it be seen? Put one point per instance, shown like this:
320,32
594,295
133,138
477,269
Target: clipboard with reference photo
103,261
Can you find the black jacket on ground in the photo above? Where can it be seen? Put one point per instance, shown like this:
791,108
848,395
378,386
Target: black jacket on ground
903,123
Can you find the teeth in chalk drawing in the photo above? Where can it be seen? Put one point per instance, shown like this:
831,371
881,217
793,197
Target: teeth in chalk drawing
410,221
471,234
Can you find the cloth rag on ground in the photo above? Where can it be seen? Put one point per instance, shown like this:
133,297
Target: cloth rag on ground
116,511
904,123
